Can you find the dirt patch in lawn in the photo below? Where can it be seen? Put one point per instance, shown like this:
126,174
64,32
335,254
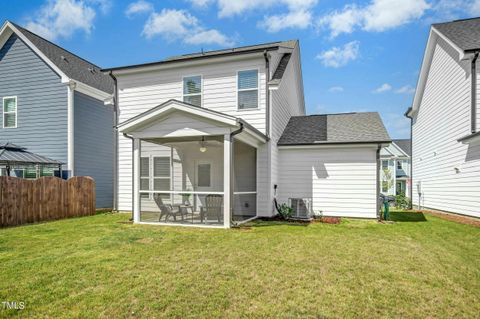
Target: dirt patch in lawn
454,217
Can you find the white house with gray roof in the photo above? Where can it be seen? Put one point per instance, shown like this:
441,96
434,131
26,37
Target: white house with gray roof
53,116
218,138
445,120
395,168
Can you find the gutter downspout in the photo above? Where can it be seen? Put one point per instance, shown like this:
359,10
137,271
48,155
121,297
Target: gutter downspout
474,93
266,55
411,163
115,141
133,169
232,169
378,181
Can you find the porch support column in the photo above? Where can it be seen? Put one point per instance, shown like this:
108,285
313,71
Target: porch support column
136,180
227,186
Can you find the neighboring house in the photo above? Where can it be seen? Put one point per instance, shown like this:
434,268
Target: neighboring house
445,121
213,138
52,105
395,168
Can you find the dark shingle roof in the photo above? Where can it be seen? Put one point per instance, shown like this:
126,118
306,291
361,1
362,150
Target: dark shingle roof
281,67
72,65
334,129
290,44
464,33
11,153
404,144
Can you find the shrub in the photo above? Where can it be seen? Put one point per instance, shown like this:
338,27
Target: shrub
401,201
285,211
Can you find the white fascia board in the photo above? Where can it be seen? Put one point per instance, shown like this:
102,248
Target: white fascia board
427,60
399,150
324,146
63,76
205,113
8,28
187,63
91,91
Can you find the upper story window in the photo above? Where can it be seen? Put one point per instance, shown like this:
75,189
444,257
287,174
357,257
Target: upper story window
192,90
247,89
385,164
399,164
10,112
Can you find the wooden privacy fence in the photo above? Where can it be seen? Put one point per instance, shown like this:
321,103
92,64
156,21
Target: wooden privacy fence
28,201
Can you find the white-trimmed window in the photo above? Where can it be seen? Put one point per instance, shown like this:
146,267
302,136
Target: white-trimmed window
385,164
192,90
161,173
247,86
10,112
399,165
144,176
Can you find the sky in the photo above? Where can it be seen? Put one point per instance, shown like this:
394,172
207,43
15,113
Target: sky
356,55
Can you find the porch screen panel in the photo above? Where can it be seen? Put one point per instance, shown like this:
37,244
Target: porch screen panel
204,175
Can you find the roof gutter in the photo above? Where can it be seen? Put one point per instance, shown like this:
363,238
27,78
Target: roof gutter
198,57
115,141
474,93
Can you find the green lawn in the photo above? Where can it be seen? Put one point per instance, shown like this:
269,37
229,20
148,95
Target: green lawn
99,266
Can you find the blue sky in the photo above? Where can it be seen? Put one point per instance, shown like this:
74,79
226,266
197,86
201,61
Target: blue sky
356,55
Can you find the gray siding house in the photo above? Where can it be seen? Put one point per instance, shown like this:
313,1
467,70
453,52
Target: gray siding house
52,104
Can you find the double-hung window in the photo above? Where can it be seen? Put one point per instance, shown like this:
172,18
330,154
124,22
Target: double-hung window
10,112
144,176
161,173
192,90
154,174
247,86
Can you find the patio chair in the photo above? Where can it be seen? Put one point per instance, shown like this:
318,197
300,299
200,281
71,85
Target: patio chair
167,210
213,208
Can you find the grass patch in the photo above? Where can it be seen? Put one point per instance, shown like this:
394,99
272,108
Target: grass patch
101,267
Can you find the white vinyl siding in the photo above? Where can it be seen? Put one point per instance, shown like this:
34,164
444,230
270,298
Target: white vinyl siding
247,86
10,112
192,90
341,181
449,171
142,91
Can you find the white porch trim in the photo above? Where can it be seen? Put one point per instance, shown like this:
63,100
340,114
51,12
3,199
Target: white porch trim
227,180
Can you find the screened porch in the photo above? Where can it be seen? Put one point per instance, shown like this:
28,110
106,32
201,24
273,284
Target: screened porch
182,181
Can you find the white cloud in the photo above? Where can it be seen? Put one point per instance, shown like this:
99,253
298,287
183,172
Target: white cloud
62,18
337,57
138,7
211,36
379,15
295,19
397,125
475,7
383,88
180,25
298,13
200,3
336,89
406,89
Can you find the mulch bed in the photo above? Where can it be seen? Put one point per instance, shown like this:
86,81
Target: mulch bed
454,217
